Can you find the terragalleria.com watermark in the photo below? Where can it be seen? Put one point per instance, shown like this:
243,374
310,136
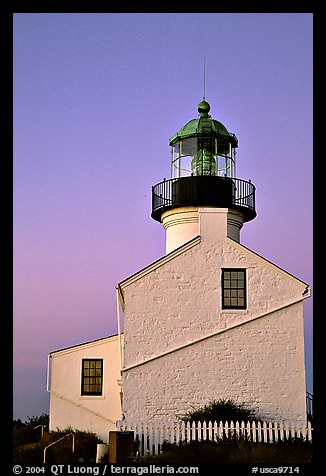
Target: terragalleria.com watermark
62,469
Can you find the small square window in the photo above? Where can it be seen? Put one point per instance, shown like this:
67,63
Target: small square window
234,288
92,376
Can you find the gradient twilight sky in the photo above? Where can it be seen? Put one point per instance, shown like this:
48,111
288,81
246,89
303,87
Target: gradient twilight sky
96,98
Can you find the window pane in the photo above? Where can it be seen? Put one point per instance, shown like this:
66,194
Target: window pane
234,288
92,376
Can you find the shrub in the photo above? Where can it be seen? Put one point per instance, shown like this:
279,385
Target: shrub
233,450
85,448
25,433
31,454
221,410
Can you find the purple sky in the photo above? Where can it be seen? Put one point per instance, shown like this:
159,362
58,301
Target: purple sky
96,99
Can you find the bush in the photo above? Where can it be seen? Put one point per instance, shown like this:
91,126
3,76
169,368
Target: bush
233,450
221,410
25,433
31,454
85,449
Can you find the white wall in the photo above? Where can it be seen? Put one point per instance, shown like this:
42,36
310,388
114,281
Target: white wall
182,224
260,363
88,413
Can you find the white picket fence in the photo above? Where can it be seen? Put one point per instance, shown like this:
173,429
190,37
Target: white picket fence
151,436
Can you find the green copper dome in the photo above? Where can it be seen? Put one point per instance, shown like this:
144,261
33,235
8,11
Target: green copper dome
204,125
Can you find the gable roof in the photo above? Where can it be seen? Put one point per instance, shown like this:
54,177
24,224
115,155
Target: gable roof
277,268
193,242
160,262
88,343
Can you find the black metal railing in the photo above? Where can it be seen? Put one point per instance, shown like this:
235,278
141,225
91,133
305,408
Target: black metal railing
202,190
309,405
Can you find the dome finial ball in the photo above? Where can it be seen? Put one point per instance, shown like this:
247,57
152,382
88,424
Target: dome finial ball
203,108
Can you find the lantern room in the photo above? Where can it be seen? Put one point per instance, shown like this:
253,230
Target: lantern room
203,170
203,147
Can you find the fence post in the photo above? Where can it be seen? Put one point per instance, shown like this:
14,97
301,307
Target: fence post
193,431
177,434
232,429
204,431
215,431
226,426
210,431
281,431
248,428
156,439
188,432
183,431
265,432
287,431
243,433
172,434
237,429
254,431
150,438
304,433
275,432
199,431
220,430
309,431
145,433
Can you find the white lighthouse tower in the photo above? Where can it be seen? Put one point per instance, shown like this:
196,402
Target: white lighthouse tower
203,175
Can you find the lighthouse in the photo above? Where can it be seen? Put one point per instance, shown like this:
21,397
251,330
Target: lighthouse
209,320
203,174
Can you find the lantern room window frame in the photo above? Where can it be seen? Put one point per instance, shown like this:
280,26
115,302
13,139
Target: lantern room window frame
185,152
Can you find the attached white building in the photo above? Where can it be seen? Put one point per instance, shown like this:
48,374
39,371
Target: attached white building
84,385
209,320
